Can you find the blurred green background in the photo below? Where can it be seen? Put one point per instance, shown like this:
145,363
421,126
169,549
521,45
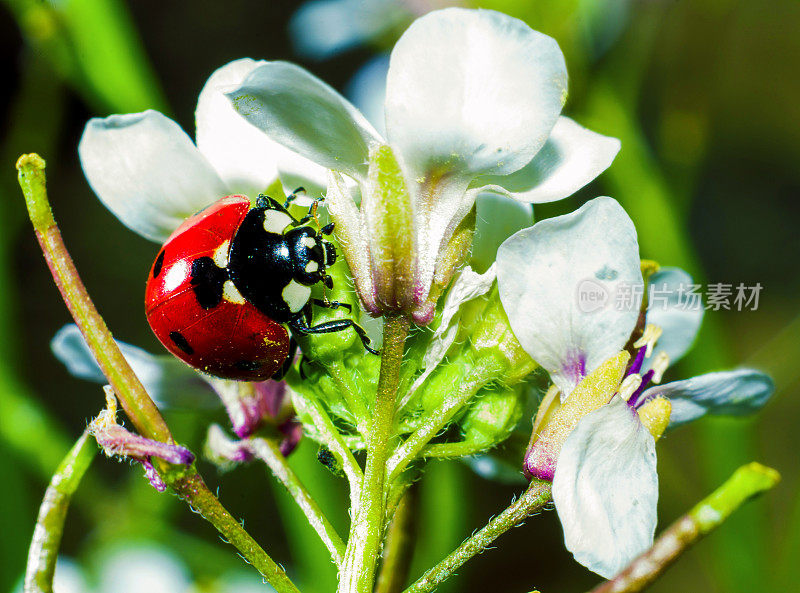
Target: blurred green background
703,95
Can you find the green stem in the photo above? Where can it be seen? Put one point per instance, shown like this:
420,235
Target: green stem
141,410
334,441
137,403
194,491
396,560
453,450
481,374
367,528
532,501
268,452
43,551
746,482
353,399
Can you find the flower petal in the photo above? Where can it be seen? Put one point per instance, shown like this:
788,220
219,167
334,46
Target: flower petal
147,171
734,393
497,219
559,283
671,308
572,157
242,154
472,90
606,489
298,110
168,381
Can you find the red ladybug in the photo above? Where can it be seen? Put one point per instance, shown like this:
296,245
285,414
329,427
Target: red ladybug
230,279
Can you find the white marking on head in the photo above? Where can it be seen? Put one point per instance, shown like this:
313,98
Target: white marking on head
221,254
312,266
231,294
309,242
276,221
296,295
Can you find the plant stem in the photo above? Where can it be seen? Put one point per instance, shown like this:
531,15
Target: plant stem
454,450
435,422
352,398
333,440
141,410
746,482
532,501
367,527
43,552
397,554
137,403
194,491
267,451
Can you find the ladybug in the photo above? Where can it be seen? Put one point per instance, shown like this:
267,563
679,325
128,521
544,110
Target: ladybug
230,280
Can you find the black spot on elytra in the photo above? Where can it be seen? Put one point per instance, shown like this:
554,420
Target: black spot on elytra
207,282
181,342
159,263
248,365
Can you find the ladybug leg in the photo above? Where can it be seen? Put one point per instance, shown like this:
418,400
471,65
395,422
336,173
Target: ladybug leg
333,326
327,229
331,304
293,196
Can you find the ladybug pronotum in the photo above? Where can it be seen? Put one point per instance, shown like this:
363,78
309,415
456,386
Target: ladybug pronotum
230,280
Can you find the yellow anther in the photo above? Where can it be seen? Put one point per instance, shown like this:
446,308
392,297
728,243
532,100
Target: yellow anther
629,386
660,364
649,338
655,416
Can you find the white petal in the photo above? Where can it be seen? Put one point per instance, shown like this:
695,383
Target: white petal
323,28
606,489
467,286
147,171
497,219
298,110
167,380
472,91
242,154
671,308
733,393
560,283
367,90
572,157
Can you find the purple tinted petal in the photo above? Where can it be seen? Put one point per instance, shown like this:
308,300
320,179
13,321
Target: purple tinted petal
152,475
116,440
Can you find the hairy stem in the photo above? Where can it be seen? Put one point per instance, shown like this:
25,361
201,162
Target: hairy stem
43,552
532,501
397,554
138,405
334,441
746,482
269,452
367,528
435,422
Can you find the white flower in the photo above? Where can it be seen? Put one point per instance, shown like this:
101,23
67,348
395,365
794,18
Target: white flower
558,283
472,105
150,174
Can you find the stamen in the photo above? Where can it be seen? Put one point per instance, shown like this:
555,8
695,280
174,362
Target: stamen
660,364
629,386
649,338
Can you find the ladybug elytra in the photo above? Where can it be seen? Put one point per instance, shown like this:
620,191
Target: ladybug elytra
230,280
